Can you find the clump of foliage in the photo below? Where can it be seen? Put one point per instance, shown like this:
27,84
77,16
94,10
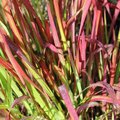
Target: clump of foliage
60,65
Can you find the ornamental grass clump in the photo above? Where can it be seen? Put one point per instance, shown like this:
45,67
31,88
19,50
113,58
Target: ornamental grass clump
60,59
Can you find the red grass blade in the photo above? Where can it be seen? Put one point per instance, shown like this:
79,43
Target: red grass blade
66,98
55,35
60,25
48,76
82,48
107,7
21,20
33,14
37,34
105,99
73,11
8,66
86,106
84,14
10,56
11,22
52,48
21,74
96,20
18,100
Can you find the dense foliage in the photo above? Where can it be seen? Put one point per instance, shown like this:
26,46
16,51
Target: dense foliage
60,59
